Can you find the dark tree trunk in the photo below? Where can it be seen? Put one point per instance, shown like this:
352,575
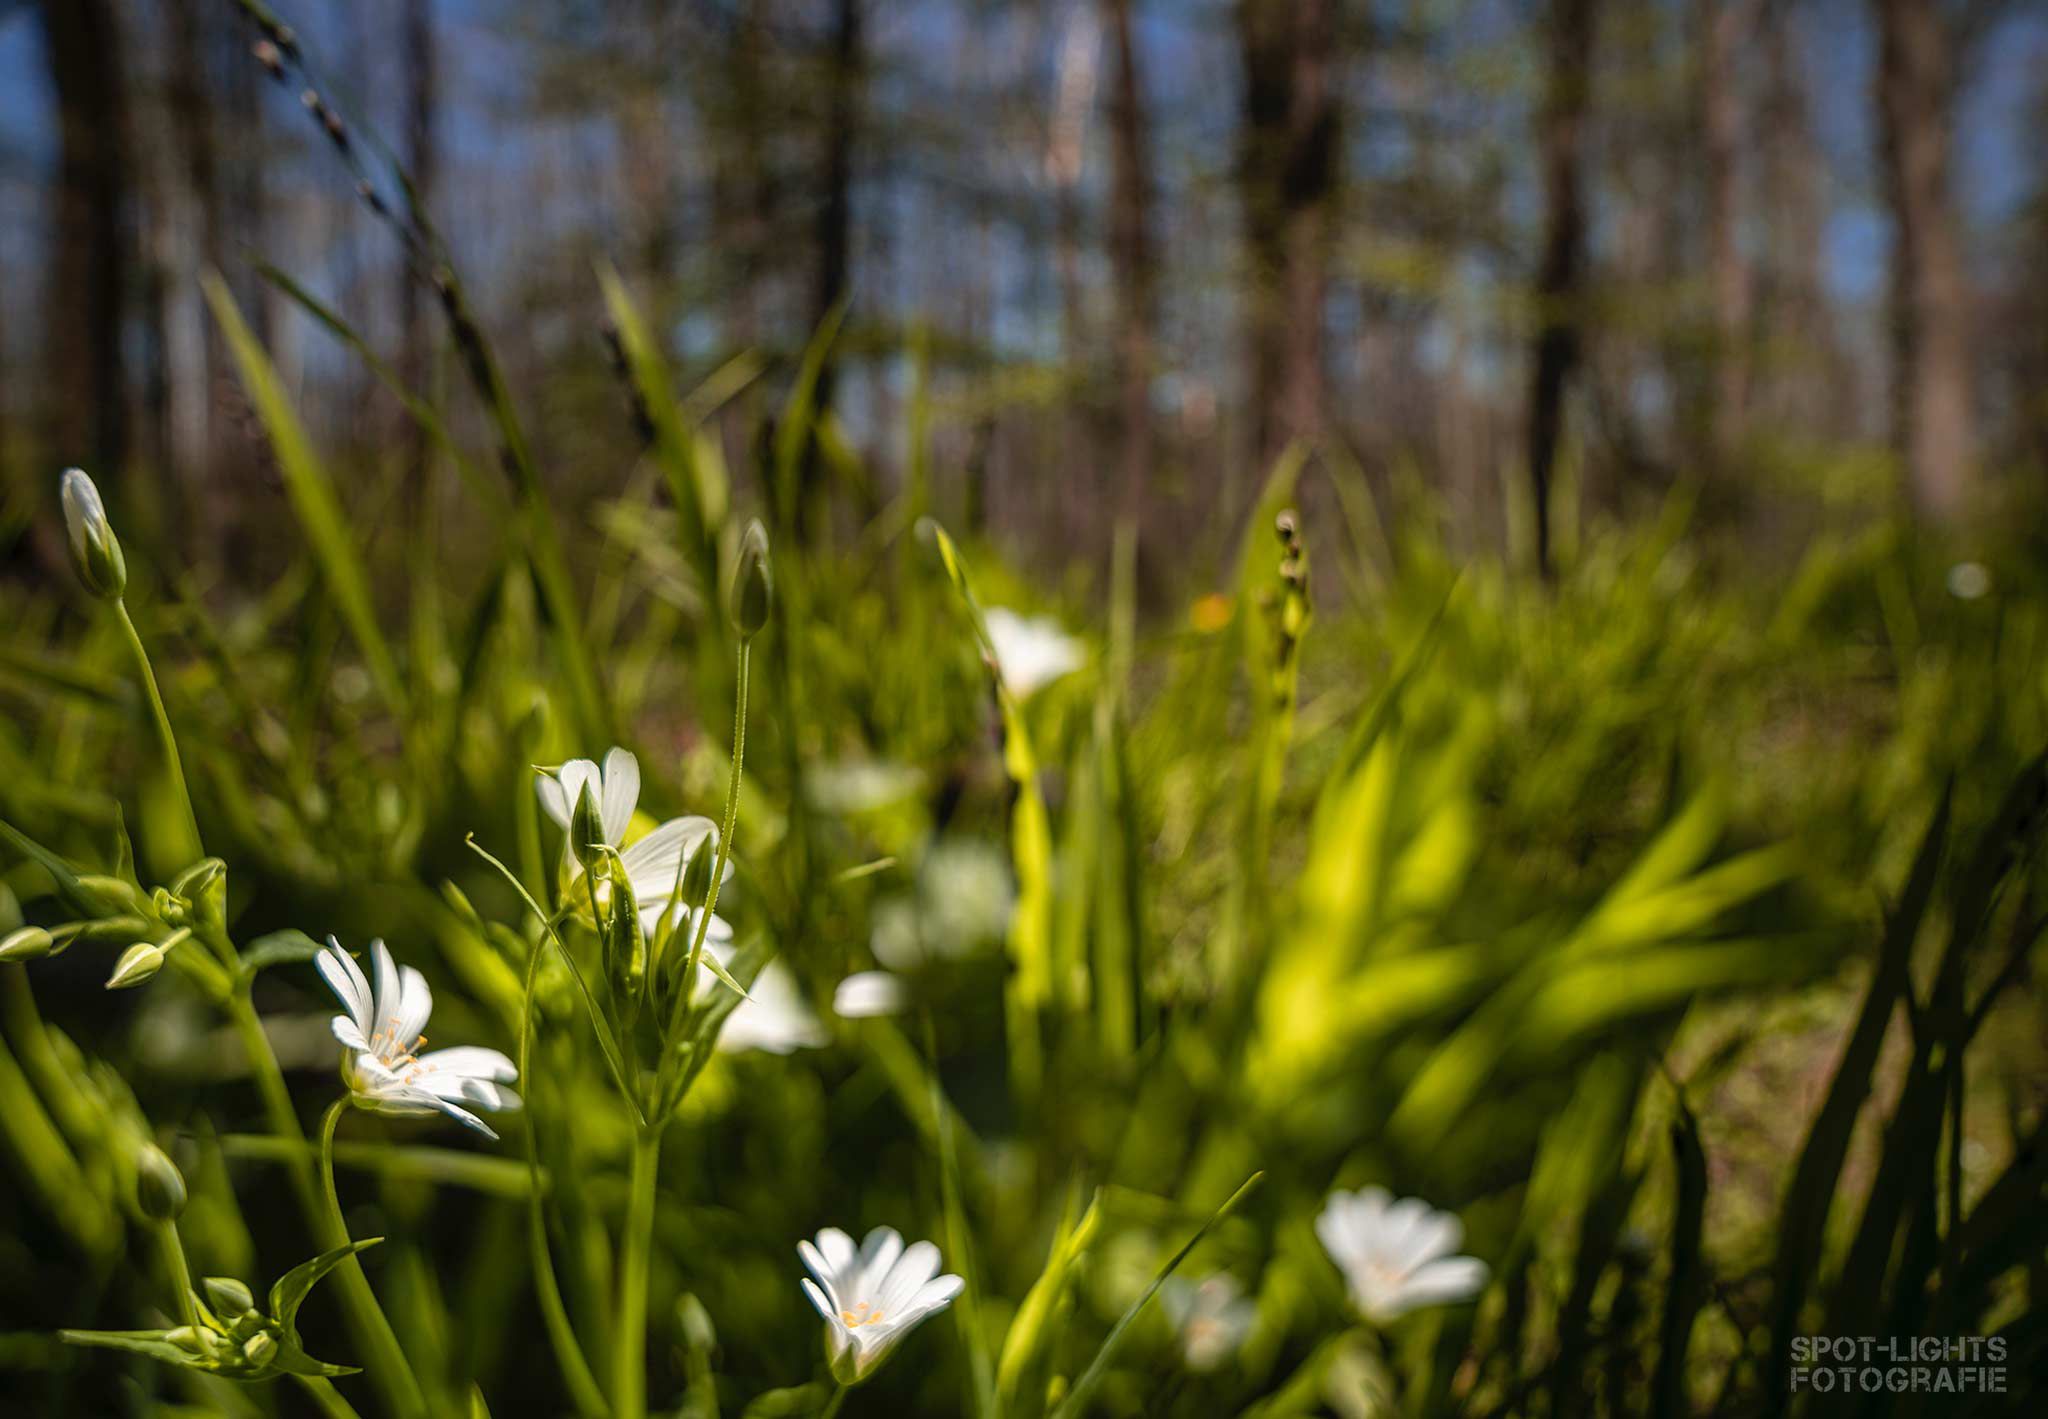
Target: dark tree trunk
90,257
422,161
1134,259
835,219
1723,27
1560,277
1930,318
1287,180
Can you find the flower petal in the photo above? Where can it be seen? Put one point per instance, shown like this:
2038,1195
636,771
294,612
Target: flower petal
918,1263
653,862
474,1061
415,1006
348,1032
618,793
389,994
345,978
819,1299
877,1256
1441,1282
866,994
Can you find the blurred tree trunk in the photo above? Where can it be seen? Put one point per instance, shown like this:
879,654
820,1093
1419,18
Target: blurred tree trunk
86,419
422,162
835,216
1134,258
1930,318
1809,395
1567,98
1724,26
1287,183
193,217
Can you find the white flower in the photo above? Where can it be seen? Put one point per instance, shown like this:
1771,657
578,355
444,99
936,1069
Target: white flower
382,1031
1212,1318
653,863
1031,653
1968,580
868,993
873,1297
1396,1256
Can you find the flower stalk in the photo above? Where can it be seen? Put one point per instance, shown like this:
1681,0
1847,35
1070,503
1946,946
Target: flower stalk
629,1357
388,1361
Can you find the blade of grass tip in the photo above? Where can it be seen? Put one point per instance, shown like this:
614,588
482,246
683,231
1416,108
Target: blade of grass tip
1076,1402
959,1240
311,493
1803,1217
793,432
1686,1289
700,499
421,411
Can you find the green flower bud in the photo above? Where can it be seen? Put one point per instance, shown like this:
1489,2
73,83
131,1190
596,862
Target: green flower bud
586,831
188,1339
625,946
28,943
697,874
229,1298
95,550
260,1349
159,1186
204,888
111,894
753,584
137,964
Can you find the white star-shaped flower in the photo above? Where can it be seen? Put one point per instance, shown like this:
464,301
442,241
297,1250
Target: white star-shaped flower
872,1297
383,1031
1396,1255
1032,652
1213,1318
653,862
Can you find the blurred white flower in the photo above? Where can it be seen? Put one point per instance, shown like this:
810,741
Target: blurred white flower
95,550
383,1030
963,902
1968,580
873,1297
652,863
1396,1255
772,1018
1213,1318
868,993
1031,653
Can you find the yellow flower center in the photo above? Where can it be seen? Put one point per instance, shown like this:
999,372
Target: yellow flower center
860,1315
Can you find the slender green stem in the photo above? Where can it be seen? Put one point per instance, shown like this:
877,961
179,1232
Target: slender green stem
576,1374
181,1278
725,832
629,1355
278,1109
389,1365
172,763
327,1397
832,1405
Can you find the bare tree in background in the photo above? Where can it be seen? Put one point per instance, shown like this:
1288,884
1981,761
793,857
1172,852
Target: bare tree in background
1724,27
422,161
1133,258
1287,179
835,216
1930,319
85,414
1567,99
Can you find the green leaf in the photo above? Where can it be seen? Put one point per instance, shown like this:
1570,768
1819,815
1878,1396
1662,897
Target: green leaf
292,1288
136,1342
277,949
311,492
1076,1402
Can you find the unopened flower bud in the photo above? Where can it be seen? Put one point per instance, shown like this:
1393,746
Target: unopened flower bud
229,1298
586,830
753,584
95,550
159,1186
137,964
28,943
703,862
260,1348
